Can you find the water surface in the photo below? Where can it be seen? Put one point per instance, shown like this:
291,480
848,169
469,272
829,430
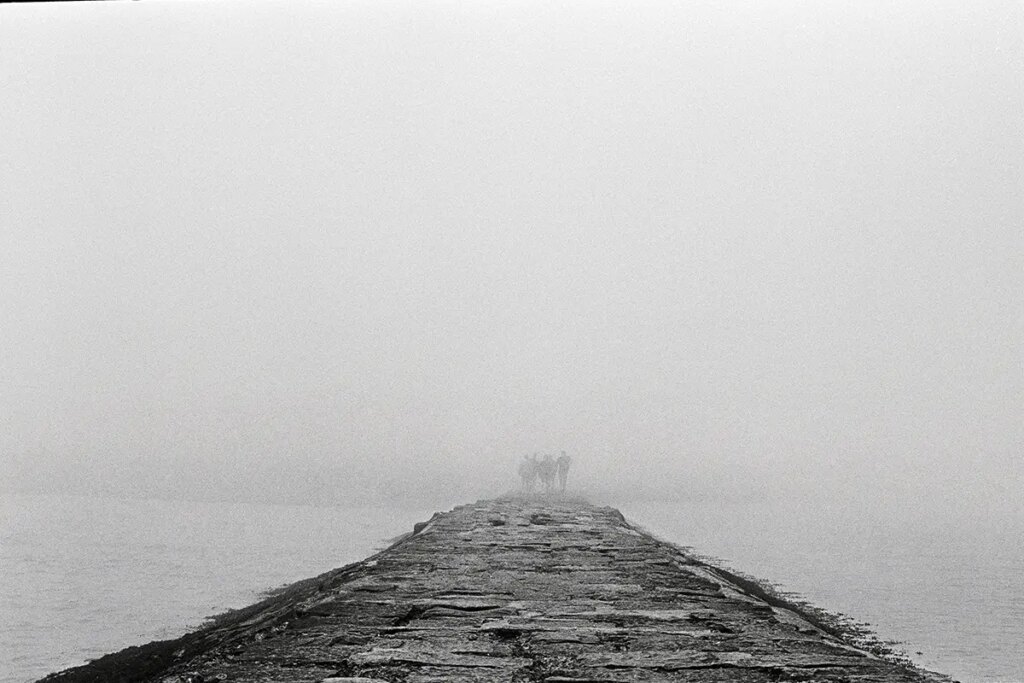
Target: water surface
86,576
948,586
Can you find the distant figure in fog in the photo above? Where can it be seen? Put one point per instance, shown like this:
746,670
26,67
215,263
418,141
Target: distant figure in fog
563,469
546,469
528,472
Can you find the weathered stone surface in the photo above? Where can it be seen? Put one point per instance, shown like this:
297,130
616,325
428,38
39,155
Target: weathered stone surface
511,591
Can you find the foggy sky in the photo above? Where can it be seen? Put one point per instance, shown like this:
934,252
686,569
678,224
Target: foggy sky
350,250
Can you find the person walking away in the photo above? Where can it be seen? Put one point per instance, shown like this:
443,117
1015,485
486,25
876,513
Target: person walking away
547,469
563,469
528,473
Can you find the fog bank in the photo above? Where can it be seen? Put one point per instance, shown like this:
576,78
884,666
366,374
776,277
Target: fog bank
348,251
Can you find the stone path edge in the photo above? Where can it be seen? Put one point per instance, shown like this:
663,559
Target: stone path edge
857,634
141,662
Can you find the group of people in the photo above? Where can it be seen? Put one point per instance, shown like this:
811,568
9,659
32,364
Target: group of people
534,468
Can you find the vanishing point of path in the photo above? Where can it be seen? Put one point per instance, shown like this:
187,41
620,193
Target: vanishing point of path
510,591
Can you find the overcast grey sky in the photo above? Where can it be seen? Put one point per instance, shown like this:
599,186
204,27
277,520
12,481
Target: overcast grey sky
362,247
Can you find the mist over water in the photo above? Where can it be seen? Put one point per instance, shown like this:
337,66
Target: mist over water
355,253
705,250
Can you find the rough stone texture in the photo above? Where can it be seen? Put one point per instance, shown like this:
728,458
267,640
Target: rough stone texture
510,590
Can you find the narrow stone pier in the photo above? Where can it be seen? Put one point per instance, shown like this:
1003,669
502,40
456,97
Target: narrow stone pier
511,590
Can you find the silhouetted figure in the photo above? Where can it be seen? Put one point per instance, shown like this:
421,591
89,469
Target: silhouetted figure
528,472
546,470
563,463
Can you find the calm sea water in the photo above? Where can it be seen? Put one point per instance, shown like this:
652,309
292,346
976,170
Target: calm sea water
948,585
85,576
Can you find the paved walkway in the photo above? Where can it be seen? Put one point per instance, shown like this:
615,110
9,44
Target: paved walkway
510,590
